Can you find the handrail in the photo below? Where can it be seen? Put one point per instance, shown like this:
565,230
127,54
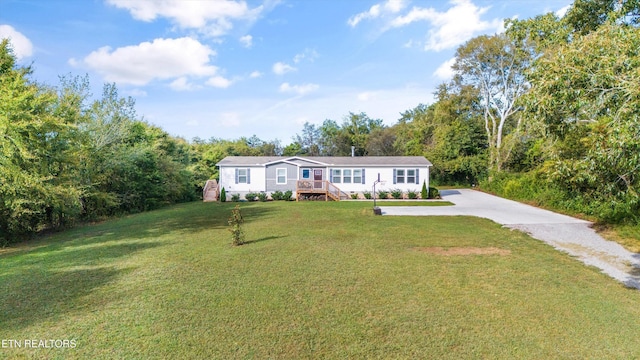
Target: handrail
334,191
210,185
318,186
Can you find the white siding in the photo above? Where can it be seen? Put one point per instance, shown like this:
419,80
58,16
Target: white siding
258,178
386,175
228,180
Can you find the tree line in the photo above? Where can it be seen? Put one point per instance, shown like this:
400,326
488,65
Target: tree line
546,111
64,158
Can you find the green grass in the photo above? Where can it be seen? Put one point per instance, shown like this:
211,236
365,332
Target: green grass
316,280
413,203
624,234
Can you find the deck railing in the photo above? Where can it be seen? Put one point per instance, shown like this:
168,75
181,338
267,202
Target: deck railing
318,187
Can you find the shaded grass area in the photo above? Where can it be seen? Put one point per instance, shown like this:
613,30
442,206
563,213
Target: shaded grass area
316,280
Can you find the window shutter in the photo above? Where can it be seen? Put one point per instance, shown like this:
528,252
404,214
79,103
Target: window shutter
394,176
236,175
362,176
248,176
417,176
330,176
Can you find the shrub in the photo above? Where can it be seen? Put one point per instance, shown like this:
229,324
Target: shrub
235,220
251,196
434,193
424,194
277,195
235,197
366,194
287,195
223,195
262,196
354,196
412,194
396,194
383,194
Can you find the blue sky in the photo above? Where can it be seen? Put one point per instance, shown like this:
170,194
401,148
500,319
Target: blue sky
232,68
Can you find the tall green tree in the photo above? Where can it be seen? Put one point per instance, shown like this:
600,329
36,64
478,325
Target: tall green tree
588,95
449,133
38,133
309,140
357,128
496,65
585,16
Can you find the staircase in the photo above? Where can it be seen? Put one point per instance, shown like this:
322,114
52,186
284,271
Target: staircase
333,192
316,189
210,191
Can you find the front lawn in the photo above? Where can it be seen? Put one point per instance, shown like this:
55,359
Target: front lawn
315,280
412,203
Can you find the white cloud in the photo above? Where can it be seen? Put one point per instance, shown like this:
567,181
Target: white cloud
182,84
22,47
372,13
255,74
444,71
563,11
452,27
160,59
230,119
377,10
308,54
247,41
272,116
366,96
395,6
219,82
136,93
409,44
281,68
298,89
210,17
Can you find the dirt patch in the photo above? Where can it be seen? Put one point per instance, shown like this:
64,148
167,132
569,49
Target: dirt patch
462,251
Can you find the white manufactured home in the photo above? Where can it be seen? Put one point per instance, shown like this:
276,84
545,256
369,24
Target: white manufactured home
335,176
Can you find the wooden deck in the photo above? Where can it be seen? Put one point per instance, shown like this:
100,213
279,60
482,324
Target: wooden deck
317,188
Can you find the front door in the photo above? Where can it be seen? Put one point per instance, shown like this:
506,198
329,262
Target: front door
317,178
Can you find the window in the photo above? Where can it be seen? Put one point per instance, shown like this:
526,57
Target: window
306,173
357,176
346,176
242,176
406,176
281,176
411,176
336,176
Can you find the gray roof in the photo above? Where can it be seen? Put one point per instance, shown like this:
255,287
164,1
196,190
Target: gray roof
328,160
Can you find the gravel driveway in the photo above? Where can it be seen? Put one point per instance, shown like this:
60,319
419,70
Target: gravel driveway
564,233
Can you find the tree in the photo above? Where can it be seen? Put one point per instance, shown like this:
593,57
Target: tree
292,149
449,133
356,128
331,138
586,16
496,66
309,140
381,142
588,95
38,138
